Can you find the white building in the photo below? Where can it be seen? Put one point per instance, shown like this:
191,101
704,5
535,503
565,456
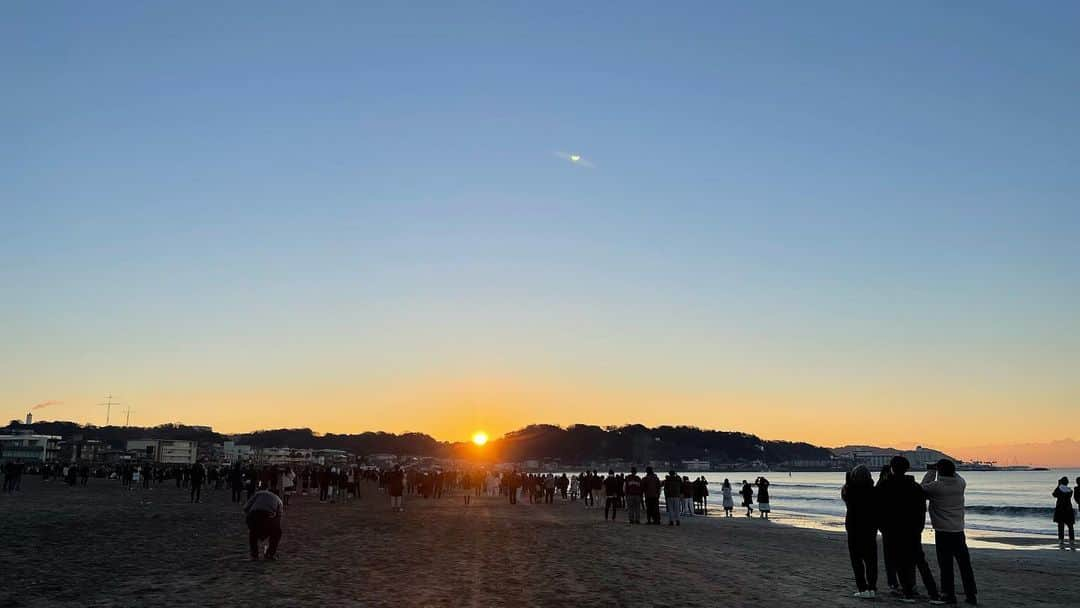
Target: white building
330,457
920,457
28,447
166,451
235,452
275,455
382,460
873,460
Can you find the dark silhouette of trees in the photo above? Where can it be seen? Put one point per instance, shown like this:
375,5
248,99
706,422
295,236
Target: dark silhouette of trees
576,444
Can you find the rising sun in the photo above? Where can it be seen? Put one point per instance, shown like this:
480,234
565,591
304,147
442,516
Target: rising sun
479,438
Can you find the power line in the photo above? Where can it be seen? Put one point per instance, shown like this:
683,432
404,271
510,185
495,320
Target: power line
108,408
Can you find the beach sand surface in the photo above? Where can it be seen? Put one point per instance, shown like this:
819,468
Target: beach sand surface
104,546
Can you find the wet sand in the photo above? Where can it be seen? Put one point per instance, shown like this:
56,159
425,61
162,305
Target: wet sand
103,546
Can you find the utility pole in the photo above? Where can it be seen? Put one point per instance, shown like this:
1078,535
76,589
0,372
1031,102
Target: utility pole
127,416
108,408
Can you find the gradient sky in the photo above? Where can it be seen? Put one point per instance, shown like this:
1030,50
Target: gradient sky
837,222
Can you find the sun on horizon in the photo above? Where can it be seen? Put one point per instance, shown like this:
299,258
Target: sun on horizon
479,438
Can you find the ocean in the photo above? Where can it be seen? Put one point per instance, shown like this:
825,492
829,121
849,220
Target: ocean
1005,509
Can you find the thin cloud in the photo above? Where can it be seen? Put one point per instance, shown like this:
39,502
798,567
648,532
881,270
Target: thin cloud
575,159
44,404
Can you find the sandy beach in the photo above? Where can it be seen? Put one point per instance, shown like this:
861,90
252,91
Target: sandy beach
103,546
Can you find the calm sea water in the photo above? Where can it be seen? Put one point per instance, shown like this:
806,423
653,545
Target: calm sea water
1001,505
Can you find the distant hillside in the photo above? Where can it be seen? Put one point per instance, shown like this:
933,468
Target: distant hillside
637,443
574,444
871,448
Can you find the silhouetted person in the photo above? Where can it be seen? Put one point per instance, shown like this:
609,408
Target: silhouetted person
903,517
632,488
886,537
764,506
861,523
198,475
612,488
512,483
673,497
747,494
263,516
946,492
395,487
1064,515
251,481
650,489
236,482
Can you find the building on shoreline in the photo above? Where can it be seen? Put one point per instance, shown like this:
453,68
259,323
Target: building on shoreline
234,452
165,451
29,447
877,458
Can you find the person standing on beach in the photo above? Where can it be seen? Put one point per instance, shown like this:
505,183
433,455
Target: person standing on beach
288,485
632,489
513,481
729,500
252,481
198,474
650,489
599,489
945,489
764,507
687,496
747,494
673,497
236,481
861,523
611,495
395,487
1064,515
886,538
263,517
701,495
903,517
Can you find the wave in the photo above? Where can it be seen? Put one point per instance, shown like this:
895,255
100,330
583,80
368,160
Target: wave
1011,510
795,497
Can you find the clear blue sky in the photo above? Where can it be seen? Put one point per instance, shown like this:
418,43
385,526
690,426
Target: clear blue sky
869,205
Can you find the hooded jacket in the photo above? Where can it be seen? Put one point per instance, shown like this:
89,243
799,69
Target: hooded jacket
946,496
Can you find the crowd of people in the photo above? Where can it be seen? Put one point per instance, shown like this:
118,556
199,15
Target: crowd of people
896,506
13,472
633,493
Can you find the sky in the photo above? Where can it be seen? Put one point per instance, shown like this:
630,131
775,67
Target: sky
841,222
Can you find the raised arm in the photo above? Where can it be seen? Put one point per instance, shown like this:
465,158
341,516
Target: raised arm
928,481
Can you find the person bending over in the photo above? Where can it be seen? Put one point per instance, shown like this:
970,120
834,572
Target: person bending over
263,515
